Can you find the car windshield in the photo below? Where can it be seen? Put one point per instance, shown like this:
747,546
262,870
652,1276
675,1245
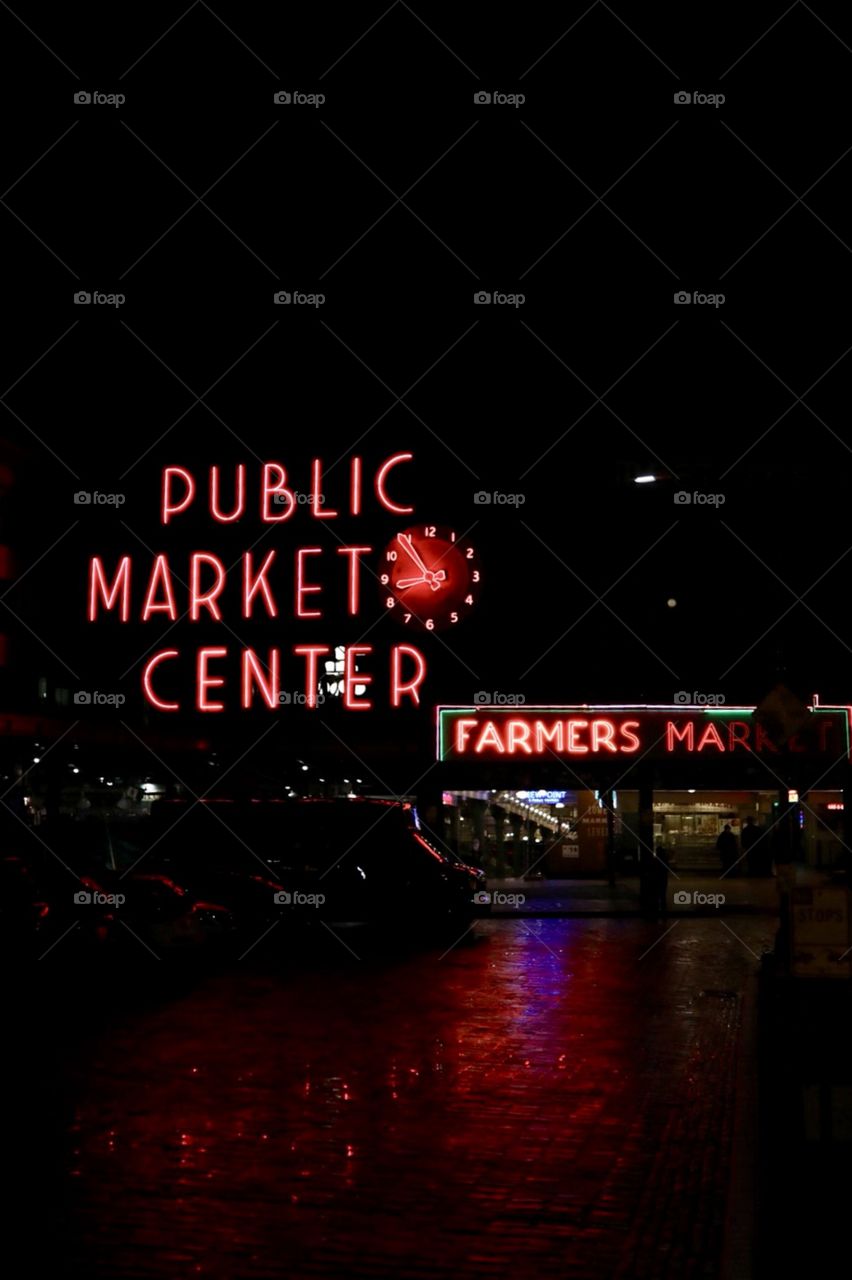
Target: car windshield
303,833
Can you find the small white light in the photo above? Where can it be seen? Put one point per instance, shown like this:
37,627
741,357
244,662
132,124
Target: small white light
644,479
75,770
671,602
36,759
792,797
304,768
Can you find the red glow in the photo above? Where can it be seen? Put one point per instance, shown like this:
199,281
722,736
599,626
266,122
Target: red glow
199,599
168,507
657,730
532,735
354,574
381,476
148,671
160,580
253,675
109,594
216,513
306,588
251,586
355,487
205,681
406,688
320,510
274,482
428,847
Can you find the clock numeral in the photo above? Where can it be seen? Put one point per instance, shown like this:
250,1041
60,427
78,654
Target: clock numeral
468,599
390,602
454,617
469,552
475,575
430,625
453,536
407,617
391,555
384,579
429,531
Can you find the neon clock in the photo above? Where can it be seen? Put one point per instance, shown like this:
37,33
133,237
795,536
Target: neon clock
429,577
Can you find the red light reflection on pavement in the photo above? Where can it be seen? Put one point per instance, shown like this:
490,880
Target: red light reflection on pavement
539,1103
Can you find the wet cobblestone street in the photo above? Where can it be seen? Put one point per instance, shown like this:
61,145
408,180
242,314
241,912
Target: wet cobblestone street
551,1098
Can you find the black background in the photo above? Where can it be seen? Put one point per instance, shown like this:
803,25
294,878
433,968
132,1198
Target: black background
694,197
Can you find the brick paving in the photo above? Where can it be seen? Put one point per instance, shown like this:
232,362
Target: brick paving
543,1100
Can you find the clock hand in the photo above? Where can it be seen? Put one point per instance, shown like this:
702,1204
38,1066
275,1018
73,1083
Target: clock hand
434,578
405,541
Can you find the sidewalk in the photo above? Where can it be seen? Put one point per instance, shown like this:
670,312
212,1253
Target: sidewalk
742,894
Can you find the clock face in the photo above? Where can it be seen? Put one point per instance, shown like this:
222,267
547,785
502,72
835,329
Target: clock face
430,577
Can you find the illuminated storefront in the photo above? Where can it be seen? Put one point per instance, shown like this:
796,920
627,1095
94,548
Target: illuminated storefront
584,787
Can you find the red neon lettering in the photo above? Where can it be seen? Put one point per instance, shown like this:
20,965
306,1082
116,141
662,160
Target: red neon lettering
311,652
351,677
685,735
319,510
463,728
490,738
160,579
574,745
199,599
355,487
603,735
168,508
630,742
518,737
108,595
406,688
381,476
764,741
146,680
738,735
240,496
306,588
204,681
546,738
251,587
252,675
274,477
711,736
354,573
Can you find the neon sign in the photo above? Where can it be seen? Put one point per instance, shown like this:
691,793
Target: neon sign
203,589
586,733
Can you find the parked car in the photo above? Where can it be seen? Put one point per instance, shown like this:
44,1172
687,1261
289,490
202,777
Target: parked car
168,917
306,861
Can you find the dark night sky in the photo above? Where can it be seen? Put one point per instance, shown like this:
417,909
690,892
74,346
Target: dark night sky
501,398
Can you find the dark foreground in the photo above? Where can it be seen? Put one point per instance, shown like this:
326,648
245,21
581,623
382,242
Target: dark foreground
553,1097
